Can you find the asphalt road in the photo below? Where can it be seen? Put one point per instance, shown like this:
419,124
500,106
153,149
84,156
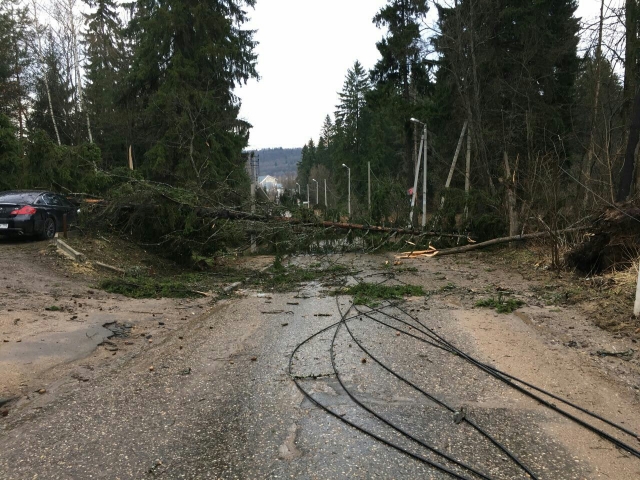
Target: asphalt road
214,400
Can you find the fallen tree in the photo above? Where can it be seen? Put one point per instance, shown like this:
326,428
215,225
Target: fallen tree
613,241
476,246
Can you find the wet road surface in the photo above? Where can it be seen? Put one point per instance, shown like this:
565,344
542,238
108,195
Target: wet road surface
215,400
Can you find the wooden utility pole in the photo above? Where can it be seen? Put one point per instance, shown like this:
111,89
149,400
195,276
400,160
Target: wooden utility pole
130,159
455,160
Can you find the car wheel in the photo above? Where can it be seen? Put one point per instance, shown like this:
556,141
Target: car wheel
49,229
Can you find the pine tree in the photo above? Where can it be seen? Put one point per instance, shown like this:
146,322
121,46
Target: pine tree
509,68
401,73
10,165
351,106
188,58
15,63
105,74
307,161
400,50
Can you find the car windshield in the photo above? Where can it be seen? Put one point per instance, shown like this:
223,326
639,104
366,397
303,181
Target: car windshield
19,197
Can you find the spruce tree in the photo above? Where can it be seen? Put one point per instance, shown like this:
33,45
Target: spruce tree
189,55
105,74
351,106
400,49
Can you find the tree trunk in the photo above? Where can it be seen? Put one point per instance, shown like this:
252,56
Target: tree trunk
44,74
510,184
630,58
588,163
74,38
626,176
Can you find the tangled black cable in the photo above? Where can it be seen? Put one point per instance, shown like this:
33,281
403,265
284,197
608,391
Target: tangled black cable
435,340
510,379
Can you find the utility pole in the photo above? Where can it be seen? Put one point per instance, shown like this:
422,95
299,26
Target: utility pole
423,147
424,178
253,210
369,184
453,164
349,197
317,190
308,203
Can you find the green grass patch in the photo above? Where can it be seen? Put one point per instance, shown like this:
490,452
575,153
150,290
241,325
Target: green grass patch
448,287
500,304
278,278
145,287
53,308
372,294
285,279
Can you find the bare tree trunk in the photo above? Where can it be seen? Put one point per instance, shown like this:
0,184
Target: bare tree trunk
588,164
626,176
630,57
510,184
20,105
74,38
467,175
44,75
480,145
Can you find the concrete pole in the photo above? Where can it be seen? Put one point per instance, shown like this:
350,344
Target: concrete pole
349,197
415,182
253,210
308,202
424,181
317,192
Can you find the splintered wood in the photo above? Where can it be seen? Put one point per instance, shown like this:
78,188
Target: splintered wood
430,252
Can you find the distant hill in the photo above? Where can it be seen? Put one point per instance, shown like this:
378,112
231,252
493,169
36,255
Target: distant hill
279,162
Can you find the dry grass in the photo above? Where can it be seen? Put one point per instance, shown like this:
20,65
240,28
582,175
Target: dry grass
607,298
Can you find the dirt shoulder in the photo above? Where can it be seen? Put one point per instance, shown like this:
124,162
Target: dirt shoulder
57,328
566,312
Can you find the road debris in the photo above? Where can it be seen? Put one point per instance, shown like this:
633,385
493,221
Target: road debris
624,355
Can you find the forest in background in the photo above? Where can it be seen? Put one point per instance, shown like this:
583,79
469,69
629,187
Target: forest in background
279,162
548,102
134,102
91,88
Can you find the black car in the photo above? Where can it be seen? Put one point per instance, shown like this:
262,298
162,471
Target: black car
32,212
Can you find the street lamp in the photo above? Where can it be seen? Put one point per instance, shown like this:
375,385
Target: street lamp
349,197
317,188
423,146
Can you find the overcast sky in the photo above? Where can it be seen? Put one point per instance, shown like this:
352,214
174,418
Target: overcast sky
306,47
